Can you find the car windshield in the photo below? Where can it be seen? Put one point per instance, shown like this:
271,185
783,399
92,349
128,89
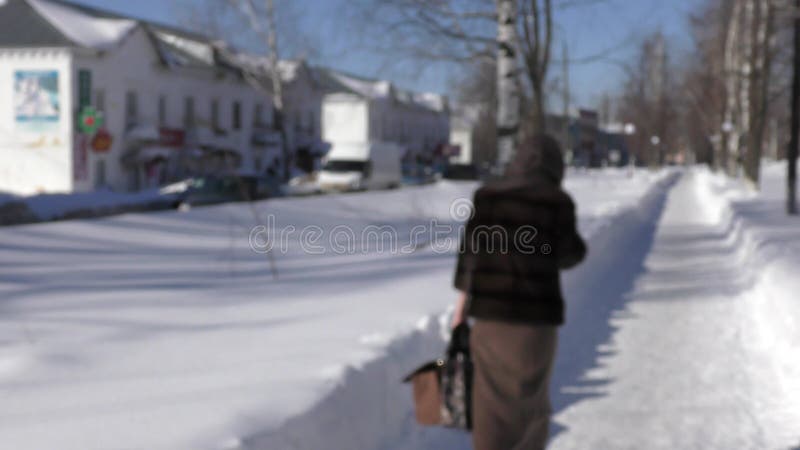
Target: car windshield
345,166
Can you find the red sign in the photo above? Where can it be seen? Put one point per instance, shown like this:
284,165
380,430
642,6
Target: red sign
171,137
102,141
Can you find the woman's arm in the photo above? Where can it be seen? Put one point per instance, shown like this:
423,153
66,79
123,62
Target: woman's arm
571,247
460,313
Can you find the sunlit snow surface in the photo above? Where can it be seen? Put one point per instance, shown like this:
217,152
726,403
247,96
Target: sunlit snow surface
704,352
166,331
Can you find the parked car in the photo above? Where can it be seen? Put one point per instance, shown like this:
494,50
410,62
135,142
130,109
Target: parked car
303,185
415,174
210,189
461,172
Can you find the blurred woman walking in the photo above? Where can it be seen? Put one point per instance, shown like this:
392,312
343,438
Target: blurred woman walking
522,232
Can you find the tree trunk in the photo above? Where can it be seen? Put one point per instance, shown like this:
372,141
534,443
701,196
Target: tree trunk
277,86
730,141
759,88
507,83
746,70
794,141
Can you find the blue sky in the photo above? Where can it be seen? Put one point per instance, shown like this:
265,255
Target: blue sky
615,25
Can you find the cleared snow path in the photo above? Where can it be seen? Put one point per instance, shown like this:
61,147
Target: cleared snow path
692,363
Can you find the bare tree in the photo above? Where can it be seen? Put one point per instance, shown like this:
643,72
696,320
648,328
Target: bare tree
536,44
733,80
704,84
508,92
647,102
518,34
761,42
264,26
223,20
788,33
748,67
476,96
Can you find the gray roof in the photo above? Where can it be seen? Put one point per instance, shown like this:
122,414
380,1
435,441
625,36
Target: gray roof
22,26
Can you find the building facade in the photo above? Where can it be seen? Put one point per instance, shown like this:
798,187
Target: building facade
169,103
360,110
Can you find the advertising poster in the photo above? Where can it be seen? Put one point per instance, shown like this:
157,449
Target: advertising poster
36,100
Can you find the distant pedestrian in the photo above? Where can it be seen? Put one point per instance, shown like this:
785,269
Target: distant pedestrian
521,234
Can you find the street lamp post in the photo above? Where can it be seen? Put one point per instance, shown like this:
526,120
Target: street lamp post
630,129
727,130
791,175
655,140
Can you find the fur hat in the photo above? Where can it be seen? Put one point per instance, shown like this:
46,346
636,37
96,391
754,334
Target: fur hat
537,155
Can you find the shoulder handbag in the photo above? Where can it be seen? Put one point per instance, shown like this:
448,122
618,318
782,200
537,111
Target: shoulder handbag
443,388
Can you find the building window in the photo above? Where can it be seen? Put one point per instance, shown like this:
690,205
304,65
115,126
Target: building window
215,114
100,100
162,110
311,125
188,112
259,118
237,116
131,109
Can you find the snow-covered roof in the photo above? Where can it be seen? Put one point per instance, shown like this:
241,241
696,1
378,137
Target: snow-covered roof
84,29
334,81
259,64
60,23
289,69
177,50
364,87
436,102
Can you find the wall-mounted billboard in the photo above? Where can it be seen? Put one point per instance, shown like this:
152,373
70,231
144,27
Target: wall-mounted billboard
36,99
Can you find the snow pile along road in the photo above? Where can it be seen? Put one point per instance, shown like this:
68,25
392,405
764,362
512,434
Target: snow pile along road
167,331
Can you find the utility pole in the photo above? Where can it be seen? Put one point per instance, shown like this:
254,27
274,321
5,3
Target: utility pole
565,68
507,83
791,178
277,85
270,35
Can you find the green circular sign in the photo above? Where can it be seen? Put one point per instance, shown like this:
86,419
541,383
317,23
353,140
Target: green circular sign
90,120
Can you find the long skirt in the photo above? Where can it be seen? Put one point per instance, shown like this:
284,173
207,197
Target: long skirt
511,401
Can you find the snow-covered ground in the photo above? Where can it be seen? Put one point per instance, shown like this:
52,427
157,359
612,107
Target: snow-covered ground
167,331
704,351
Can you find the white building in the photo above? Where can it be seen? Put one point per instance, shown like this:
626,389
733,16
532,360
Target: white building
302,102
171,102
462,134
360,110
324,107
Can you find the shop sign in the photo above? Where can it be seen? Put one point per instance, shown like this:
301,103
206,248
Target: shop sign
102,141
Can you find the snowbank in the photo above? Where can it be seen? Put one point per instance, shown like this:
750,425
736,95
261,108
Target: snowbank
46,207
767,244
